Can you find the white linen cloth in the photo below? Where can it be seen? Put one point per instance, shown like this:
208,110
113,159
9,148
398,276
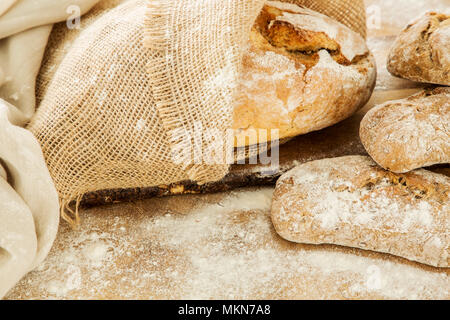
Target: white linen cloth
29,205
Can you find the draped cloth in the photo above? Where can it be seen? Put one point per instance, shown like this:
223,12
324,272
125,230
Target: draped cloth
29,205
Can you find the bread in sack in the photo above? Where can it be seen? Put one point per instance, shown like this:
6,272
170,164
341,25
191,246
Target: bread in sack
302,72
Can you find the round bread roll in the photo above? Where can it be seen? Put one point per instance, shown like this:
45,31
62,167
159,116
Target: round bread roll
422,51
302,72
411,133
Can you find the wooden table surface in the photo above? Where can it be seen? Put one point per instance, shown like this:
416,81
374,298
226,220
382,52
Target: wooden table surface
223,246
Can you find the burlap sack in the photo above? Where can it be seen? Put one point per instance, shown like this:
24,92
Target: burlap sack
115,114
60,42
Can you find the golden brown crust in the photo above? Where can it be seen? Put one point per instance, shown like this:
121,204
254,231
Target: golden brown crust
299,44
302,72
411,133
422,51
350,201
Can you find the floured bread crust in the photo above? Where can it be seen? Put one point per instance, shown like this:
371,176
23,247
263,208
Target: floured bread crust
302,72
350,201
411,133
422,51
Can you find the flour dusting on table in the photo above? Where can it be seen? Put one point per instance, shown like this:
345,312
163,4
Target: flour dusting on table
180,249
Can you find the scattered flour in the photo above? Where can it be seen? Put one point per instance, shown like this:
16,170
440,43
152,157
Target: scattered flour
176,248
96,252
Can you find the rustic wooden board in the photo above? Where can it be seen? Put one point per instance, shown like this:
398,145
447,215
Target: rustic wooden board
336,141
339,140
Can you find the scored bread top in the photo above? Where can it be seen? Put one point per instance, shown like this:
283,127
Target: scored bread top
301,30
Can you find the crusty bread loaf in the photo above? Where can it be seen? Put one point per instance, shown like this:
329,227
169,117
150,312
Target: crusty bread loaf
302,72
411,133
350,201
422,51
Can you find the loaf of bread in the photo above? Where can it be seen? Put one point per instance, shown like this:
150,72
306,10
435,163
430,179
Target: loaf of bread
411,133
350,201
422,51
302,72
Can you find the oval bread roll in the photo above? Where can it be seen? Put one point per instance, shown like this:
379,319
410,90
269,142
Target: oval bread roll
422,51
352,202
302,72
411,133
